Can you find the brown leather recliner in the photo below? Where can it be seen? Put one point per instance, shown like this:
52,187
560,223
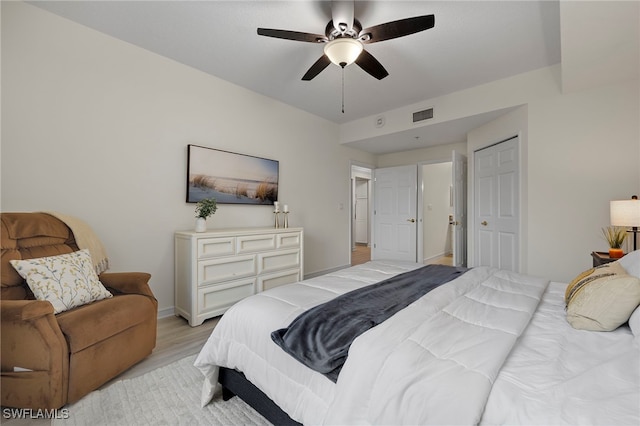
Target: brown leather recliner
50,360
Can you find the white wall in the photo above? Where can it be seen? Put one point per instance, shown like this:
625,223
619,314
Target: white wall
98,128
439,153
578,151
583,152
612,53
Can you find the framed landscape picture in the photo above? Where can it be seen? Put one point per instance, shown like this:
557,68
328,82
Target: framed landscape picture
230,178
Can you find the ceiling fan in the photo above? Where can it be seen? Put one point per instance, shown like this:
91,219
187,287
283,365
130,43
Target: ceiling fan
345,39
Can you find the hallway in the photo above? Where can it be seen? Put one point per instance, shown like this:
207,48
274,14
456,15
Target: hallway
362,254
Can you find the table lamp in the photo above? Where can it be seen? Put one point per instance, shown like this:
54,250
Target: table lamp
627,213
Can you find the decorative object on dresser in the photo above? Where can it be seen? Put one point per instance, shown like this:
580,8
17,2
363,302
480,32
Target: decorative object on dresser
205,208
615,236
285,212
216,269
626,213
276,213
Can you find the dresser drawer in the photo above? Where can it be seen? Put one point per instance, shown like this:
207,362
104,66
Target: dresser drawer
224,269
278,260
221,297
255,243
269,281
288,240
214,247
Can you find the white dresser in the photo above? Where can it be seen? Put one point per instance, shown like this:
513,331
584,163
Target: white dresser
215,269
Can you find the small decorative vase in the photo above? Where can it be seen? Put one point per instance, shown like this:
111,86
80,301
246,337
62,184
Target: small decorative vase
616,253
201,224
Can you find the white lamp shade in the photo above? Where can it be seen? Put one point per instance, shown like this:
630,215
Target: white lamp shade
625,213
343,51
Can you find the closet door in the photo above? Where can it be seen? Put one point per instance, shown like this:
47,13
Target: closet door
496,206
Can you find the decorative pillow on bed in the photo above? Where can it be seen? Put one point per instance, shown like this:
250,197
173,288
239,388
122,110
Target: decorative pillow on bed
602,298
631,263
67,281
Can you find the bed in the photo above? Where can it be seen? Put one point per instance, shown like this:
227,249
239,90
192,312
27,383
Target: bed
488,347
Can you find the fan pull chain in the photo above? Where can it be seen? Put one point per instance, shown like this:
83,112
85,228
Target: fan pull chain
343,90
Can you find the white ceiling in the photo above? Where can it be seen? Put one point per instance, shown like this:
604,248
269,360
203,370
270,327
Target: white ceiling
473,42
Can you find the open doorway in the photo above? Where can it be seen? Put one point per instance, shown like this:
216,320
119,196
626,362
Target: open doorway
437,216
437,213
361,190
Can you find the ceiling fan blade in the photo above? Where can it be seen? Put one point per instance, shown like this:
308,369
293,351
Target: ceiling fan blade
317,67
367,62
342,15
395,29
292,35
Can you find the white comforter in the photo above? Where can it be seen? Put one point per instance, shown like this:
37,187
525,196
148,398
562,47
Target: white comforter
435,362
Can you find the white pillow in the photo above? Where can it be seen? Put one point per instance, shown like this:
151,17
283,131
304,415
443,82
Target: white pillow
631,263
634,323
67,281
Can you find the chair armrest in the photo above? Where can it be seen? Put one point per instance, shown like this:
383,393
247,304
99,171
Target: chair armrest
128,282
32,341
24,310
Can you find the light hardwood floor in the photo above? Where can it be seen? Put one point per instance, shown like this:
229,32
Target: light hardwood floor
176,339
447,259
361,254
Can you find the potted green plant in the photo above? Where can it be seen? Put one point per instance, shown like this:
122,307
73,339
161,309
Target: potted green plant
205,208
615,236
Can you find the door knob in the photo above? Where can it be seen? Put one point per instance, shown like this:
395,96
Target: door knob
484,223
411,220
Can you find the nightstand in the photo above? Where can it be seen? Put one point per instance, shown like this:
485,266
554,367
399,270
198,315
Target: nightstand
600,258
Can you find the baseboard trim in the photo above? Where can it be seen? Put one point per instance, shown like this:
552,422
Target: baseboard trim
437,256
166,312
326,271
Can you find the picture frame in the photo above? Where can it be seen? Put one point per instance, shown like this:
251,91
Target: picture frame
230,178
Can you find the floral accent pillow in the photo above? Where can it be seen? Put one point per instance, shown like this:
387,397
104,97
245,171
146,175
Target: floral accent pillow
67,281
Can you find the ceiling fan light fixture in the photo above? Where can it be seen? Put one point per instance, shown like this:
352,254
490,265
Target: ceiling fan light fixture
343,51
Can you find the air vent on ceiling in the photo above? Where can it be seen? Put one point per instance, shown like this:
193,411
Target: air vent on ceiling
422,115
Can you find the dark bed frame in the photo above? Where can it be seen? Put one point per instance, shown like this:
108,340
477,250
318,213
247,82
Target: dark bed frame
234,383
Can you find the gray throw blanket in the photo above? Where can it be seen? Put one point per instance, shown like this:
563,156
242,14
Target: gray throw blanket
320,337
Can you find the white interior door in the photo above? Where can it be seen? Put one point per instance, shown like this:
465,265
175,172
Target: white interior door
395,212
459,224
496,206
361,211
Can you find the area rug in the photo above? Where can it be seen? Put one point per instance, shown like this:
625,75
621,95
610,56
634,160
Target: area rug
169,395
